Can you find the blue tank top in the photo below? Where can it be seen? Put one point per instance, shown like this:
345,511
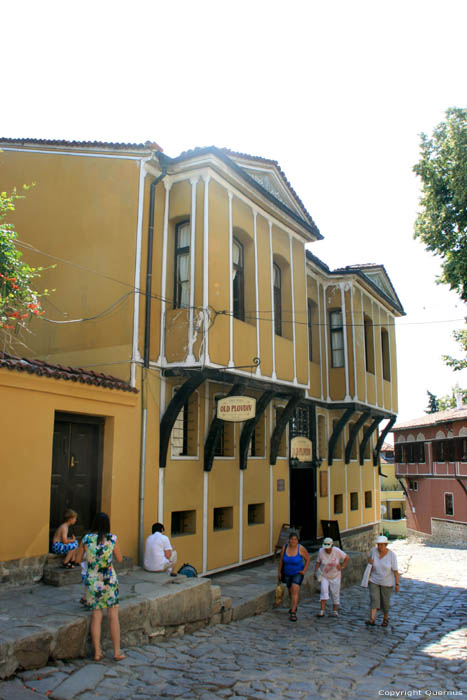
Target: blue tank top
292,565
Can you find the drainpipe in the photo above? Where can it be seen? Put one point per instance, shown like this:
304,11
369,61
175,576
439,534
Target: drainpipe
147,337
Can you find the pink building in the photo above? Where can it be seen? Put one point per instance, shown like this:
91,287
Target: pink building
431,464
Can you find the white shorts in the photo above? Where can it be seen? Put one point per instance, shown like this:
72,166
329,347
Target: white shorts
331,586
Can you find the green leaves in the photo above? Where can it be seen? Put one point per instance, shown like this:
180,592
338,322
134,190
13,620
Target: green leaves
19,302
442,221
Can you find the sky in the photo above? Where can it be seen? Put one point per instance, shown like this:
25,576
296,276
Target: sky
338,93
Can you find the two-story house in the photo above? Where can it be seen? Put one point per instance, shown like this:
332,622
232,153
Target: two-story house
190,278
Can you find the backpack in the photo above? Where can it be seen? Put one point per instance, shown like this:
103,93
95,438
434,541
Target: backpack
188,570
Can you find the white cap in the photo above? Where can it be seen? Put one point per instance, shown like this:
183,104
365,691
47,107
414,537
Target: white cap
328,542
382,539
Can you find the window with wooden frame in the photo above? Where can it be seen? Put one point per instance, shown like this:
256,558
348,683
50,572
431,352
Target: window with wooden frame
369,346
277,287
184,437
182,265
310,329
338,503
368,499
385,354
225,446
338,448
323,483
257,447
322,438
238,282
354,500
336,326
353,451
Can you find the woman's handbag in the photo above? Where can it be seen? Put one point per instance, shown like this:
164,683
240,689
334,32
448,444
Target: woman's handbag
366,576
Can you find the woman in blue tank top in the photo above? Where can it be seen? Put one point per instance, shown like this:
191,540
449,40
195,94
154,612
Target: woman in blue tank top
293,564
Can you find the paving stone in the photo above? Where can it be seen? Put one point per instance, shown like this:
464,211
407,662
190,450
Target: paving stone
84,679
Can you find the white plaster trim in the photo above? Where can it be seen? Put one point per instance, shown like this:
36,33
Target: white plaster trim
231,320
374,350
190,357
293,310
167,185
206,179
374,492
205,519
240,517
135,356
381,378
329,493
346,495
346,356
354,353
326,336
258,349
71,153
274,375
320,293
364,343
160,499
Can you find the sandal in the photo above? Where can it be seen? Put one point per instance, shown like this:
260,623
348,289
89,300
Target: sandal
119,657
385,623
68,565
293,616
370,623
98,657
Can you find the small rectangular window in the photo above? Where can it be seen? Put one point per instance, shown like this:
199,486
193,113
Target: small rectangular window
385,354
255,513
338,503
183,522
369,346
225,446
184,437
182,265
368,499
323,483
354,501
223,518
448,504
413,485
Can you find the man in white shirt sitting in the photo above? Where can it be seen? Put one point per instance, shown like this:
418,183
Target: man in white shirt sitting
158,552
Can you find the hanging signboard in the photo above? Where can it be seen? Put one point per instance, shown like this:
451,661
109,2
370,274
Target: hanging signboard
301,449
236,408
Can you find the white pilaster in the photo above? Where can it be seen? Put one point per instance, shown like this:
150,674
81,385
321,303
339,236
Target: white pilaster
293,310
346,356
190,356
135,355
205,520
167,185
326,341
273,317
258,347
231,320
354,351
206,179
320,294
374,352
240,518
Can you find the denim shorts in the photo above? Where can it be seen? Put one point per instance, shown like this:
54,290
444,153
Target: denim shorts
293,578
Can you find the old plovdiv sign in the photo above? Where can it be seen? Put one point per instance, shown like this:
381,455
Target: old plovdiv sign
301,449
236,408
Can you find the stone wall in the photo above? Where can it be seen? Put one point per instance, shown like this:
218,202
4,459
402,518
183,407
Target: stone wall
360,539
20,572
442,532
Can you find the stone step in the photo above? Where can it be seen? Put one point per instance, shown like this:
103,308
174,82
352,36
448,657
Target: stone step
56,575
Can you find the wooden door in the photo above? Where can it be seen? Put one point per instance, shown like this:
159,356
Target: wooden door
76,470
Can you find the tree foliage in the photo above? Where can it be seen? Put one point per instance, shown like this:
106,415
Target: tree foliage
19,301
442,221
433,405
456,364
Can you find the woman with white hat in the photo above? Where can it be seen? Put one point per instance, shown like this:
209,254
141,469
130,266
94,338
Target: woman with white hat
384,577
332,561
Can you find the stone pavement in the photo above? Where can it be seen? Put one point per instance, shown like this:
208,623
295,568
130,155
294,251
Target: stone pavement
422,653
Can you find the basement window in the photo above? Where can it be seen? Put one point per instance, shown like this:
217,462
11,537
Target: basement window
183,522
255,513
223,518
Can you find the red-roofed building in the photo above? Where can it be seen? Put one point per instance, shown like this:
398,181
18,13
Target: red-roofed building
431,463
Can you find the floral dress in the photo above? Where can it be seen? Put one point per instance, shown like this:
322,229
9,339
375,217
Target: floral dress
101,580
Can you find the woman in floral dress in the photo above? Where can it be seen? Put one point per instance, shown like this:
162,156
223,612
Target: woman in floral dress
101,582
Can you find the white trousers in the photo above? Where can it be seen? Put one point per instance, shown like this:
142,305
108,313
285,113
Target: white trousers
331,586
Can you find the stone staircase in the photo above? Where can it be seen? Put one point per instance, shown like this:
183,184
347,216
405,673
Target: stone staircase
55,573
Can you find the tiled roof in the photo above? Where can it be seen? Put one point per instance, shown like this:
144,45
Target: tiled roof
448,416
73,374
148,145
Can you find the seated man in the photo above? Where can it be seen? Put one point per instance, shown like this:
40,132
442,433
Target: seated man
158,552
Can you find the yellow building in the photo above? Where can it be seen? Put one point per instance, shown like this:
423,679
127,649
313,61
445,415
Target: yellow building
190,279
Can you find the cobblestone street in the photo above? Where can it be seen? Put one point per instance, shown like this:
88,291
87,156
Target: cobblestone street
422,653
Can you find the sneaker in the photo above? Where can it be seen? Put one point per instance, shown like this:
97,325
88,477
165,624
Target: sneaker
335,613
320,614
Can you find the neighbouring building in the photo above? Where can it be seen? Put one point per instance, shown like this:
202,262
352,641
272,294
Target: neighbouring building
190,279
431,463
393,520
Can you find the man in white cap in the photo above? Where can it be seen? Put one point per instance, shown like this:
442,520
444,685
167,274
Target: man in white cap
331,560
